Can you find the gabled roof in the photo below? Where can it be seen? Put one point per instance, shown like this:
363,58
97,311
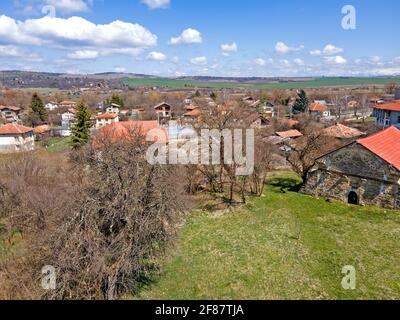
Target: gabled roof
289,134
390,106
162,104
14,129
42,129
124,131
316,107
343,132
107,116
13,108
68,102
385,144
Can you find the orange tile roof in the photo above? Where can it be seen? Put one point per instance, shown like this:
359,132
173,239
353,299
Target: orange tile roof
42,129
290,134
190,107
385,144
14,129
391,106
316,107
342,132
124,131
107,116
68,102
13,108
194,113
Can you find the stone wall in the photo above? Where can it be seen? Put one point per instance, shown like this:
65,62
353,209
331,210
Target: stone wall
356,169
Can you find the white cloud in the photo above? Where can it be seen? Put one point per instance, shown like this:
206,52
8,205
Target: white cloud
188,36
335,60
229,48
77,33
262,62
299,62
120,69
328,50
70,5
282,48
199,61
156,56
84,55
157,4
10,51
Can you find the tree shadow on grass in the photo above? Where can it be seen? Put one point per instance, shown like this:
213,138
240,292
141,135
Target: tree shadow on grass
286,183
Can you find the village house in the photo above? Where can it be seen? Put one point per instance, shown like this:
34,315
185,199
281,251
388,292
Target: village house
193,114
42,132
9,113
106,119
319,111
16,138
113,108
387,114
365,172
342,132
68,118
163,110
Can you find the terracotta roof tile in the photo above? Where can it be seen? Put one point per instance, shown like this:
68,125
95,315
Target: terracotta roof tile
14,129
290,134
107,116
385,144
316,107
391,106
343,132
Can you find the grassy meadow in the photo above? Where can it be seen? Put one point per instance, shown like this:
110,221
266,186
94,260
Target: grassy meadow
284,245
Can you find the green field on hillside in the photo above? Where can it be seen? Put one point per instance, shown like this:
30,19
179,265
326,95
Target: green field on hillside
317,83
284,246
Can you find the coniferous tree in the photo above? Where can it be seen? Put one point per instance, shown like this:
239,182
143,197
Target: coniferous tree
81,129
301,104
116,99
38,108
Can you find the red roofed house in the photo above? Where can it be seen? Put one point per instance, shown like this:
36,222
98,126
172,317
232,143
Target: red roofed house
387,114
366,172
16,138
318,110
68,104
163,110
106,119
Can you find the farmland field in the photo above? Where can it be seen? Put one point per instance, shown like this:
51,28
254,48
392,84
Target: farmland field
316,83
284,246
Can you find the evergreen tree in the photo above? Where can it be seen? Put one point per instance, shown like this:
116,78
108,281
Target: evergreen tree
38,108
301,104
81,129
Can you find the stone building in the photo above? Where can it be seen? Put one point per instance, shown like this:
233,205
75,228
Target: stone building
365,172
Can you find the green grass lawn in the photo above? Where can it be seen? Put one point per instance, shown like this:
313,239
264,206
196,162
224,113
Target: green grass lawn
316,83
283,246
57,144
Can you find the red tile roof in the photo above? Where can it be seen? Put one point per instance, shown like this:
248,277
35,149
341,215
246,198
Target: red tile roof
13,108
316,107
42,129
290,134
342,132
107,116
68,102
385,144
124,131
391,106
14,129
190,107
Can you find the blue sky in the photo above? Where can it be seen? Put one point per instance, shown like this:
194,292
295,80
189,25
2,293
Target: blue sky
200,37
